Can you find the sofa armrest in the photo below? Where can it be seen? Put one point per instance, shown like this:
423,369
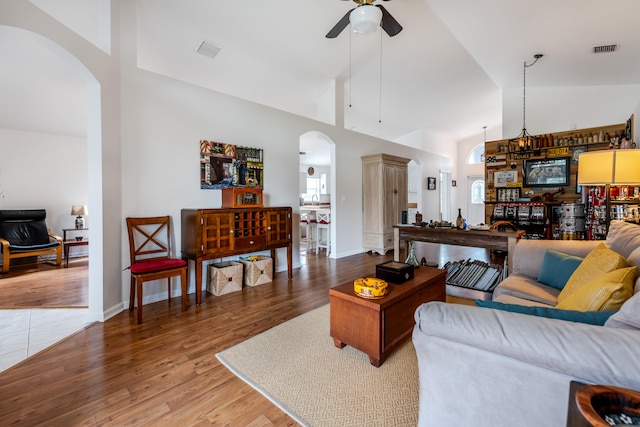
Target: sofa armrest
528,255
592,354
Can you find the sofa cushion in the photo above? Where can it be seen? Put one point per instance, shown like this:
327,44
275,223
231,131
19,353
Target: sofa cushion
528,254
604,292
623,237
628,317
634,260
599,261
590,317
510,299
557,267
526,288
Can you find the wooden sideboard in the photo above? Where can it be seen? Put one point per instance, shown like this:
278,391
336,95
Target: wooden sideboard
216,233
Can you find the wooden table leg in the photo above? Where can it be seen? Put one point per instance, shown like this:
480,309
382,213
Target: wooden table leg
396,245
376,362
66,254
338,343
198,281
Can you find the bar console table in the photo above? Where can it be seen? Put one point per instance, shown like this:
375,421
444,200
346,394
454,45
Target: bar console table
493,240
67,244
216,233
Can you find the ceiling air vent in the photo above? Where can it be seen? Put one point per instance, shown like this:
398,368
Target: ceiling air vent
207,48
609,48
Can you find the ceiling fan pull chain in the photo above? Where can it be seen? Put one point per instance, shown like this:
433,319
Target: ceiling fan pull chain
380,84
350,61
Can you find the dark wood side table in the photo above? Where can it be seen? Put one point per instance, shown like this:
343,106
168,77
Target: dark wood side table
377,326
67,244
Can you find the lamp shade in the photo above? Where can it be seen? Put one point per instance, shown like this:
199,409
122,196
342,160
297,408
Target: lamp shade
79,210
595,168
615,167
627,167
365,19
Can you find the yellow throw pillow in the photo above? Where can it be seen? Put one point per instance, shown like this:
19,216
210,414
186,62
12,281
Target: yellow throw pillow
606,292
597,262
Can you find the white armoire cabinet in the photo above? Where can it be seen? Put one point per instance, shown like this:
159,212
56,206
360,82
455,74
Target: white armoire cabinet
384,192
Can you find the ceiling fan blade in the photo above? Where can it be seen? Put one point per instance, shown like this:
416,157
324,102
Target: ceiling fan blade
341,25
389,23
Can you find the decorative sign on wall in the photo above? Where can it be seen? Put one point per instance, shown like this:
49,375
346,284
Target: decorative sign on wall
502,179
227,165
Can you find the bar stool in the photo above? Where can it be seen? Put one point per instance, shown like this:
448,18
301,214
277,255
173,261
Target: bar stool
308,223
323,218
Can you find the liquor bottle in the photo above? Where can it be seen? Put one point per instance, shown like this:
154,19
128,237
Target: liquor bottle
459,220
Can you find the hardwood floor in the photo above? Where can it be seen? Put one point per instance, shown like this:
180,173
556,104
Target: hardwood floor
45,285
164,371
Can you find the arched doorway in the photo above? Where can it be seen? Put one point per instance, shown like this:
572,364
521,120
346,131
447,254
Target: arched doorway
22,40
317,177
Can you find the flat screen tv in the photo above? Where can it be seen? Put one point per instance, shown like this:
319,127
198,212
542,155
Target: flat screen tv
547,172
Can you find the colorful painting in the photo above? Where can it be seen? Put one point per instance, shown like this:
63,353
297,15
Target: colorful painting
226,165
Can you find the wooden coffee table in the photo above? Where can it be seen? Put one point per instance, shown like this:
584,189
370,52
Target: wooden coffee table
377,326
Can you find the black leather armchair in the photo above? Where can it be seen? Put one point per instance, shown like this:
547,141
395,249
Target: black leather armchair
24,233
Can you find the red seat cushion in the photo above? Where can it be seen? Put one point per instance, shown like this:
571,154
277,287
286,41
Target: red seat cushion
157,265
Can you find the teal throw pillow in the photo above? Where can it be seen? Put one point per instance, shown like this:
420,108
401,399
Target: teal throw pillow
590,317
557,267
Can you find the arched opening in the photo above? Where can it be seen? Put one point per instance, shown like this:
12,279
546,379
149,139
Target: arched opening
317,182
88,160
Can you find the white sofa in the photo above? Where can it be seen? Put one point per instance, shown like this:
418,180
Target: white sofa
487,367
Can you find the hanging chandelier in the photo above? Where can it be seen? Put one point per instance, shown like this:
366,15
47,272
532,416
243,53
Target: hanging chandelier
525,140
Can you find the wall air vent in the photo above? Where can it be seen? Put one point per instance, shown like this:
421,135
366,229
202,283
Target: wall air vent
208,49
609,48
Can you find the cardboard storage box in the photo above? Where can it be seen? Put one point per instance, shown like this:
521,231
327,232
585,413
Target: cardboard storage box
394,272
257,270
225,277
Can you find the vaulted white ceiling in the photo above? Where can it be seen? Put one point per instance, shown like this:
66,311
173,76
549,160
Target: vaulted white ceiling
443,74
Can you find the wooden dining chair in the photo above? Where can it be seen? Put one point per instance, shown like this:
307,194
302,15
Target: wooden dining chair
150,254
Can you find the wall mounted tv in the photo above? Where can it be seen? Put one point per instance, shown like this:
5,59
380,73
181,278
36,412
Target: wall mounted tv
547,172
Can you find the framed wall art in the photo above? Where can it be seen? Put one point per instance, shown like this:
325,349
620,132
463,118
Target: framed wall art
431,183
502,178
227,165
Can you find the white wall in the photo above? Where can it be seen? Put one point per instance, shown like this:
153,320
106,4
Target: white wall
560,109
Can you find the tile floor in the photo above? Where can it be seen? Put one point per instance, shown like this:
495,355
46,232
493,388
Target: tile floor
24,332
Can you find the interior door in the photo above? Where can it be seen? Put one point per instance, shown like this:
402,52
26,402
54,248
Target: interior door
475,200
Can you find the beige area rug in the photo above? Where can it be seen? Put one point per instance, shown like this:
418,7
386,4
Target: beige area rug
297,367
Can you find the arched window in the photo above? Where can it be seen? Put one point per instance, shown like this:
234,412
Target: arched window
477,192
477,155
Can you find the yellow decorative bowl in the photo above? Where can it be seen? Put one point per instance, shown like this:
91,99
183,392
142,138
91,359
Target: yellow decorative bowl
370,287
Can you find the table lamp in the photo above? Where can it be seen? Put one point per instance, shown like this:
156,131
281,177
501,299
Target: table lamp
79,210
609,168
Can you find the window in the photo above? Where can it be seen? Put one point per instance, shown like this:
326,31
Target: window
477,155
313,190
477,192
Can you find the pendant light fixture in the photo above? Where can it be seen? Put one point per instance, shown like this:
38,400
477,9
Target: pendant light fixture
365,19
525,140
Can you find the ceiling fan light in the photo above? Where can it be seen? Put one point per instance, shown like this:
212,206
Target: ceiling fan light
365,19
